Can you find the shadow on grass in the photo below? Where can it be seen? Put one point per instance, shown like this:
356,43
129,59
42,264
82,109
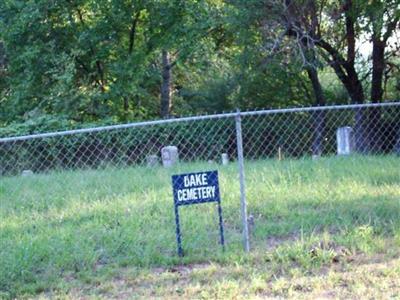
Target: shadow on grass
37,255
93,220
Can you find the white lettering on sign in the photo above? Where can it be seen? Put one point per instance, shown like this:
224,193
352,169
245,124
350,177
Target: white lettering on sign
206,192
195,180
195,187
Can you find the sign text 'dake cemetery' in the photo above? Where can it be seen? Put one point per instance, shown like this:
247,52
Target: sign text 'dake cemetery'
196,188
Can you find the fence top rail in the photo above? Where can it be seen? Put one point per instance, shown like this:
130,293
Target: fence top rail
193,118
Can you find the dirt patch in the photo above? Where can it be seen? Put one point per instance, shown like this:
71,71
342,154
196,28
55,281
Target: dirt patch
274,242
181,269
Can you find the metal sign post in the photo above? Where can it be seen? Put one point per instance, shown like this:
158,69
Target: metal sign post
243,204
196,188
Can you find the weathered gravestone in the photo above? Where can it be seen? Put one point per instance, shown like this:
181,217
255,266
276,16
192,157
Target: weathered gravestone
170,156
345,140
152,160
397,146
26,173
224,159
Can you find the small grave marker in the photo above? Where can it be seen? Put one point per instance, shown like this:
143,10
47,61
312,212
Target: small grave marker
345,140
224,159
397,146
152,160
169,155
26,173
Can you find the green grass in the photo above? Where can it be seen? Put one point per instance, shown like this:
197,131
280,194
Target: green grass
96,233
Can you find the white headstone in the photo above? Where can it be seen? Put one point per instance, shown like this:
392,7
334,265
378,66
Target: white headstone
170,156
26,173
152,160
345,140
397,145
224,159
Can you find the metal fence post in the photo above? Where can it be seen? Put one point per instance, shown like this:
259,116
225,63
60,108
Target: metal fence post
243,205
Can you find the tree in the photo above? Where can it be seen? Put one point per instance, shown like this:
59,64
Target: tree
93,59
286,29
116,61
335,28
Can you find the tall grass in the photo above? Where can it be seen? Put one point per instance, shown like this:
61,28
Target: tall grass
72,222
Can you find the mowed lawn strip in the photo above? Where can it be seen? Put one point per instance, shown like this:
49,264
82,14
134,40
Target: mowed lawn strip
74,231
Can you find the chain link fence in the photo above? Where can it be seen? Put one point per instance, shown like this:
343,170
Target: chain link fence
95,194
324,170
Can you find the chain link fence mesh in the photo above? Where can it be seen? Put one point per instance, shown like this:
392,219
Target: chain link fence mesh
298,186
108,191
93,195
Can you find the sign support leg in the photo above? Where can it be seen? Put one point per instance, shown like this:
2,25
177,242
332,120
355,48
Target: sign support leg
221,226
178,231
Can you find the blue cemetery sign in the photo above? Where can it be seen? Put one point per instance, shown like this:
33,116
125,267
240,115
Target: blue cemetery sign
195,188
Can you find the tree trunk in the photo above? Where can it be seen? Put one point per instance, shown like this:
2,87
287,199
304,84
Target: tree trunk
346,71
357,96
361,135
166,85
355,90
378,66
361,128
318,116
126,107
374,115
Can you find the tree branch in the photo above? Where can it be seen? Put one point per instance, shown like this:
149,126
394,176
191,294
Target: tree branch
390,28
132,32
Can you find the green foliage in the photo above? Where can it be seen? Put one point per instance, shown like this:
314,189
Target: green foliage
93,61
